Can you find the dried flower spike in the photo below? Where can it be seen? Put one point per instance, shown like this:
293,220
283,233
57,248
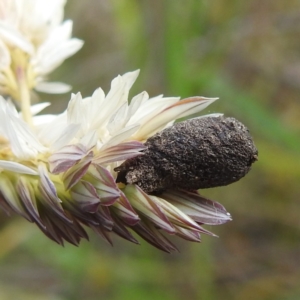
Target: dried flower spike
199,153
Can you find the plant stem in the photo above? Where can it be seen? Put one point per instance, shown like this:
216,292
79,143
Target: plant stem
24,97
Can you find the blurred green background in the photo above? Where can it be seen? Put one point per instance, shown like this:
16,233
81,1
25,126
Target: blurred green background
248,54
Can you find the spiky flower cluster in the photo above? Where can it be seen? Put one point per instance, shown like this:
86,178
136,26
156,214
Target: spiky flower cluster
33,42
59,174
57,171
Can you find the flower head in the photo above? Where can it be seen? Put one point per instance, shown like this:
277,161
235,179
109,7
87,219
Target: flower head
59,173
33,42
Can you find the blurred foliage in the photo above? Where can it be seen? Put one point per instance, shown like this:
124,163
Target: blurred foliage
245,52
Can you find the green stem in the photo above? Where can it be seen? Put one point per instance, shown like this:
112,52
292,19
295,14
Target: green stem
24,97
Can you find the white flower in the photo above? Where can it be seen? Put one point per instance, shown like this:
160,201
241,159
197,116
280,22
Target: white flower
33,42
59,173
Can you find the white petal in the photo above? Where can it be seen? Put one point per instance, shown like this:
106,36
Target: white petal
51,60
35,28
151,108
23,141
75,109
118,94
130,78
4,56
49,132
122,135
50,12
14,38
36,108
57,47
66,136
43,119
178,110
94,109
137,102
118,119
89,140
97,100
25,133
53,87
58,35
16,167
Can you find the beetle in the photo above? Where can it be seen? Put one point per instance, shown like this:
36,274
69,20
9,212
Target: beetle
199,153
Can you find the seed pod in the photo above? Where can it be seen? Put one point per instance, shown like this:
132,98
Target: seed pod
198,153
